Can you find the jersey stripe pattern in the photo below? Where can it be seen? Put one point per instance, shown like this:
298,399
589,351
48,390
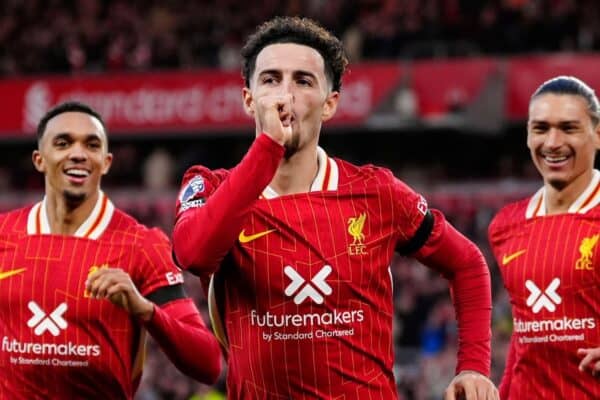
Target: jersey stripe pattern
304,298
551,269
56,341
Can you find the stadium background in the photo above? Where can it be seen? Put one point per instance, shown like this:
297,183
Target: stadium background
437,91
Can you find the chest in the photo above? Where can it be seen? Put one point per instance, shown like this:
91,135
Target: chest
558,255
41,274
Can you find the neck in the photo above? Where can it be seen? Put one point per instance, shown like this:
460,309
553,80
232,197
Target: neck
558,200
296,174
65,216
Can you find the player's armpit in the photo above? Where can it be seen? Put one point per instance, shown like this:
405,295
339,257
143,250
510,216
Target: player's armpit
181,333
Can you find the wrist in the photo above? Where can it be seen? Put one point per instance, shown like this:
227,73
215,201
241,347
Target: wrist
147,312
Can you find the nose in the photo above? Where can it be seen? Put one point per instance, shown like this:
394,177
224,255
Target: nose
555,138
78,152
287,87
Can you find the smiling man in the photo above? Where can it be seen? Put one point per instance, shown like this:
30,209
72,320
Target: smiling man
297,244
547,250
81,282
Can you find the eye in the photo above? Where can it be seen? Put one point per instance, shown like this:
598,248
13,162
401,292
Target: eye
94,145
304,82
267,80
538,129
61,143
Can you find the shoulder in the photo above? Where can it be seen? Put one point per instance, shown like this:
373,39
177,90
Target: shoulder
15,220
199,179
510,215
369,174
202,173
129,227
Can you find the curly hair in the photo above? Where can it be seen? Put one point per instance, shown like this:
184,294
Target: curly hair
300,31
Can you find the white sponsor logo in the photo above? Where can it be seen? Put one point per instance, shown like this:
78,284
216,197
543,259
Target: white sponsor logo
53,322
308,289
548,299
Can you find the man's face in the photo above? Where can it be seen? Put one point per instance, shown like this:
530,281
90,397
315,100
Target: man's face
562,140
297,70
73,155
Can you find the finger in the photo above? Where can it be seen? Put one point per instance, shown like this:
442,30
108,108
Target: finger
103,284
586,361
118,294
450,393
470,391
596,370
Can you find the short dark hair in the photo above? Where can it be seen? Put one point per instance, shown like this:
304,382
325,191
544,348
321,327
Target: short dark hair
571,85
300,31
68,106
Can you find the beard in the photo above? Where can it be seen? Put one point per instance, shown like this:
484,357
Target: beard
73,199
557,184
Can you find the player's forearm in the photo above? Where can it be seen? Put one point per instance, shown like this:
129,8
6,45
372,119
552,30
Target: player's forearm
463,264
180,332
202,236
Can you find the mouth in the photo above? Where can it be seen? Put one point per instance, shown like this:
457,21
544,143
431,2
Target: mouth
554,160
77,175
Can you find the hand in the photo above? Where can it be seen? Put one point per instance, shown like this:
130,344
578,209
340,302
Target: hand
116,285
471,385
591,361
274,117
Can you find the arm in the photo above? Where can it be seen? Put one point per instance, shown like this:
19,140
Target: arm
202,236
461,262
169,316
181,333
508,370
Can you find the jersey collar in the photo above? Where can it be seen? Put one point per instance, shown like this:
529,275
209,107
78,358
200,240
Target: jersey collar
327,176
91,228
585,202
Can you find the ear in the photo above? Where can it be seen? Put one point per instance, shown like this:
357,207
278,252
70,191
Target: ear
107,163
330,106
248,101
38,161
597,136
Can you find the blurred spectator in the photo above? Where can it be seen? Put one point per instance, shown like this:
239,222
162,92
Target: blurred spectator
65,36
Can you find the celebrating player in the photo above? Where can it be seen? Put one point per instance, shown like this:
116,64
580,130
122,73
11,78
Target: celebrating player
299,244
81,282
546,247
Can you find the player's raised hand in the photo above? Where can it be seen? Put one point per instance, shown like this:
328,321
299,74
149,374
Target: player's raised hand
273,115
591,360
471,385
116,285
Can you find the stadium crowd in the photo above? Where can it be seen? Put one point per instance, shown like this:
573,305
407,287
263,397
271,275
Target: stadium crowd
74,36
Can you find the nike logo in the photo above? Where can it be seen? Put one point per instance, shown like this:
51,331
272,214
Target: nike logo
8,274
509,257
245,239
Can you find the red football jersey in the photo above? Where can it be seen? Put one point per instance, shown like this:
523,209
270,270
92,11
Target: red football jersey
305,294
56,341
551,269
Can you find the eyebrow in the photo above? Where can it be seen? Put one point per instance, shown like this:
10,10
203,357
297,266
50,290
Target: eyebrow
561,122
69,135
296,73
